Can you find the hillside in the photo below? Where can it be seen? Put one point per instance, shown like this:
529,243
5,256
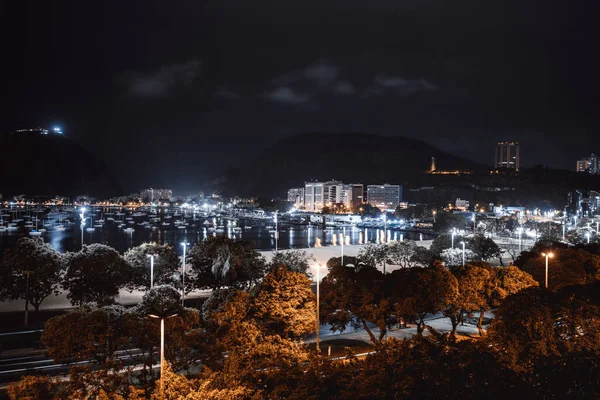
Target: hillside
348,157
49,165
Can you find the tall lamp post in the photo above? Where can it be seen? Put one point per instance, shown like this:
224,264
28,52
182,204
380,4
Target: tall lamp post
151,256
162,352
474,223
547,255
453,234
276,230
587,235
463,246
184,244
520,230
82,216
343,240
318,268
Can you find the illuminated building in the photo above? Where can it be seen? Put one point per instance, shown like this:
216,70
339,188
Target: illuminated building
313,196
296,196
152,195
589,165
507,155
384,196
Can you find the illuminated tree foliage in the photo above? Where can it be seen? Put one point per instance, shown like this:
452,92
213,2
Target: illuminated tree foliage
355,296
294,260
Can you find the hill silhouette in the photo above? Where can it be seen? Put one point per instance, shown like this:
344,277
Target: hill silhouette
49,165
348,157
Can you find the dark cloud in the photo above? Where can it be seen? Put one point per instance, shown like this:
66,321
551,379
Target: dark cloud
286,95
344,87
384,83
160,82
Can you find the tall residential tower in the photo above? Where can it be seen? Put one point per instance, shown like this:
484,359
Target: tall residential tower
507,155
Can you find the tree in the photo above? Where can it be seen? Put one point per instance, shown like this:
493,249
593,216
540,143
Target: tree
373,254
293,260
285,304
442,292
474,288
86,333
31,271
454,257
367,211
484,248
446,221
31,388
166,264
95,274
405,254
567,267
443,242
219,262
354,296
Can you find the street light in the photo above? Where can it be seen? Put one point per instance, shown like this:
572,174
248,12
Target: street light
343,240
463,245
318,268
184,244
276,230
434,212
520,230
151,256
587,235
547,255
162,351
453,234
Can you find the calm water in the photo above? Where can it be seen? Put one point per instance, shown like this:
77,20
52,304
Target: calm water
290,236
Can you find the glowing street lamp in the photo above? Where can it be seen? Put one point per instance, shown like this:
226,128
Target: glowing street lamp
547,255
318,268
162,351
151,257
520,231
184,244
587,235
453,234
463,245
276,230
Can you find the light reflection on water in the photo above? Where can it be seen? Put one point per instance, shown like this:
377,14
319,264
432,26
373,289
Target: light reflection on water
289,236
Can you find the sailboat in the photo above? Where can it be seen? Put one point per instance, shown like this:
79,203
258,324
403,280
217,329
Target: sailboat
35,232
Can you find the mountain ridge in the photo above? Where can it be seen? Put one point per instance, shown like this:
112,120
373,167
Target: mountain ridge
349,157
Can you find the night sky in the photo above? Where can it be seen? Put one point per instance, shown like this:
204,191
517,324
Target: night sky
170,95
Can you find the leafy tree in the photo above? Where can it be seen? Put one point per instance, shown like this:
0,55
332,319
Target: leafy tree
293,260
413,212
166,264
407,288
443,293
373,254
454,257
353,297
219,262
285,304
484,248
446,221
31,388
443,242
86,333
567,267
95,274
474,288
30,270
405,254
366,210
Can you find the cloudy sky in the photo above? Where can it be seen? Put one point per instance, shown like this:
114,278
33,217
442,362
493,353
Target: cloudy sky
164,90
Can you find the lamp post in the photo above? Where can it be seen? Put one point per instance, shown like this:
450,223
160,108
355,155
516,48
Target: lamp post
434,212
384,227
151,256
276,230
520,230
162,351
547,255
318,267
343,240
587,235
463,245
82,225
474,223
184,244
